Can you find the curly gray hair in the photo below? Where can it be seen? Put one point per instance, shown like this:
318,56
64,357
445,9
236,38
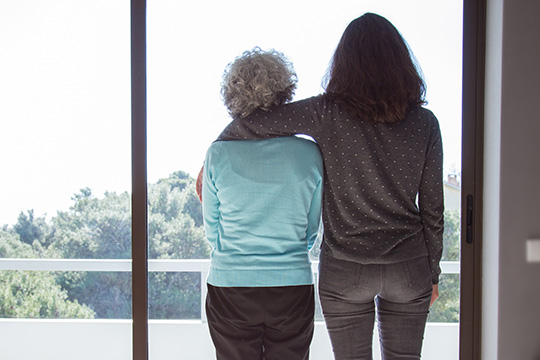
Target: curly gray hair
257,80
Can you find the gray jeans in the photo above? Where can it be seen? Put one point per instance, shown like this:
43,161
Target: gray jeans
351,294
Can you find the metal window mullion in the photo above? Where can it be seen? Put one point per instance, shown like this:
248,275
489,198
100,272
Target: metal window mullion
139,225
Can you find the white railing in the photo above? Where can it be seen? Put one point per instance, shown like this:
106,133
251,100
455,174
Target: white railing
121,265
157,265
168,265
67,339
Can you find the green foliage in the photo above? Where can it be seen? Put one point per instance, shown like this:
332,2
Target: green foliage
177,180
34,231
100,228
31,229
451,235
12,247
175,232
174,195
27,294
94,228
174,295
175,222
446,308
31,294
108,294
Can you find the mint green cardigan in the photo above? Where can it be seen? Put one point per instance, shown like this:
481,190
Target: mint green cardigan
262,211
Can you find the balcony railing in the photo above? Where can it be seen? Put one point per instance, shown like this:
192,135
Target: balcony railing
66,339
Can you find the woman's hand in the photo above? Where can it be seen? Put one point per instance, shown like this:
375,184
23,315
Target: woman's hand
434,294
198,186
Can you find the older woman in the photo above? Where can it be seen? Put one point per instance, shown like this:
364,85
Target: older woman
383,194
262,210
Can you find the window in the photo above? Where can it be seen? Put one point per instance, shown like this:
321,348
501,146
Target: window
189,46
65,240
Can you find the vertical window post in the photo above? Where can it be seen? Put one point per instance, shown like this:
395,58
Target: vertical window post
139,218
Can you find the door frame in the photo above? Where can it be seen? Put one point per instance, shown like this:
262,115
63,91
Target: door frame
474,31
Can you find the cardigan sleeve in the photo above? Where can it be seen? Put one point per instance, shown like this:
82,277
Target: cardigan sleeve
314,215
210,200
431,201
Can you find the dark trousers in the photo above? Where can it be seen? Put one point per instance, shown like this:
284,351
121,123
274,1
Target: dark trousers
252,323
352,294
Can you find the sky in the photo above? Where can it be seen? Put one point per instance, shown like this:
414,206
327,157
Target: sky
65,82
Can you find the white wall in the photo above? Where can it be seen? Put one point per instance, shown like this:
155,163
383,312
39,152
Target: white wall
452,198
492,161
517,321
27,339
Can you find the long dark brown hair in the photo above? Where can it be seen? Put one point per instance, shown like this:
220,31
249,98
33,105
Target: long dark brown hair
373,72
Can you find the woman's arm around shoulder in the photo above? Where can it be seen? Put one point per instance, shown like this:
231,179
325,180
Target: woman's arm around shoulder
300,117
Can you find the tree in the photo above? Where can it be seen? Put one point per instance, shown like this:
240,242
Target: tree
95,228
12,247
34,231
446,308
175,232
451,235
108,294
101,228
31,229
28,294
32,294
174,295
179,183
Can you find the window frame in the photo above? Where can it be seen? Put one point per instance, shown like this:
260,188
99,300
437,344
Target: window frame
139,231
474,31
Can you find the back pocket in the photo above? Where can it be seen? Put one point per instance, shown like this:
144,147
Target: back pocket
418,273
338,276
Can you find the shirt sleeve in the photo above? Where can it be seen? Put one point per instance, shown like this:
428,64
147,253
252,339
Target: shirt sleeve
210,200
314,215
431,201
300,117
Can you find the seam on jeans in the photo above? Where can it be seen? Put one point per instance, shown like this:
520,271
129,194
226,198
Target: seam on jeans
409,277
407,274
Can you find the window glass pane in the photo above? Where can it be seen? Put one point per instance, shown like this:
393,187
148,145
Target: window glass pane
446,308
174,295
189,46
65,236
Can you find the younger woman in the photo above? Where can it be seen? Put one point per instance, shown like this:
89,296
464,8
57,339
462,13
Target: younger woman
383,192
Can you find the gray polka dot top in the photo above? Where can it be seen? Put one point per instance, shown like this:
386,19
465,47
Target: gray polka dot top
383,189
